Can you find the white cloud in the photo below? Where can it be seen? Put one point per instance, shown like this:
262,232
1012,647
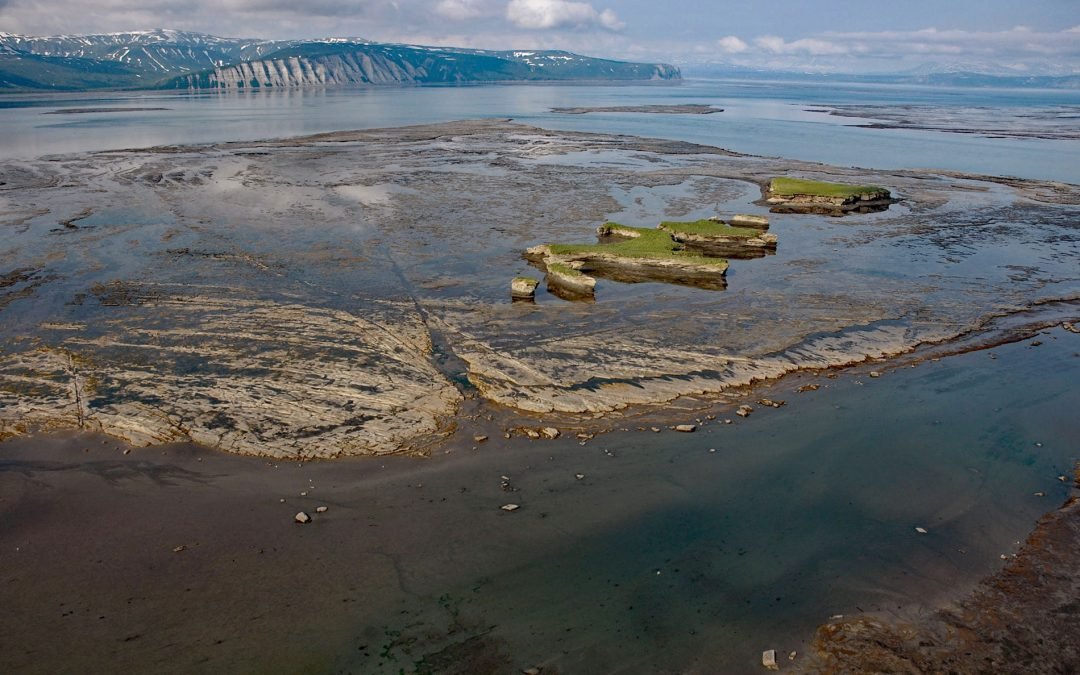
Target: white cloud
461,10
731,44
811,46
1020,48
551,14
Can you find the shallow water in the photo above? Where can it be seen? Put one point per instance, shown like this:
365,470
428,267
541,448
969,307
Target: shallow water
764,118
663,557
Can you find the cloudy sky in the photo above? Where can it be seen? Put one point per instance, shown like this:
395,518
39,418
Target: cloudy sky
843,35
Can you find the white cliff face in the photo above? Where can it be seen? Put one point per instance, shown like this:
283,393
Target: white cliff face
368,64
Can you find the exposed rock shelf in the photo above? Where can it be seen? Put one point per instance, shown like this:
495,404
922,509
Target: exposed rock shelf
168,293
793,195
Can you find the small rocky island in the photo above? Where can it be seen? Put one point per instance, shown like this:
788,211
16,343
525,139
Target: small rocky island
797,195
691,253
684,109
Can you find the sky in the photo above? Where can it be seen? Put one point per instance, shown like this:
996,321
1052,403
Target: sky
1035,36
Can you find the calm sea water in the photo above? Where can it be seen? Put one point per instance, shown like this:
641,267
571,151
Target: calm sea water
765,118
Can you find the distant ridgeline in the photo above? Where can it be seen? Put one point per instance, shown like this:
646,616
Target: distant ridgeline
167,59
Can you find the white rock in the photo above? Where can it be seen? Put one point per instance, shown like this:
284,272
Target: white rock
302,518
579,476
320,509
510,507
768,659
920,530
686,428
549,432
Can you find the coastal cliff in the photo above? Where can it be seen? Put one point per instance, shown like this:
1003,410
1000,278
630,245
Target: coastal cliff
402,64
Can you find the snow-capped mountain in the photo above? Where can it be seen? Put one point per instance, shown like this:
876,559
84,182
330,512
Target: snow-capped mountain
177,59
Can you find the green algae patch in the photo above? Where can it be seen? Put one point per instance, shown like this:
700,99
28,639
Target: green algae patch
560,268
791,187
708,228
636,242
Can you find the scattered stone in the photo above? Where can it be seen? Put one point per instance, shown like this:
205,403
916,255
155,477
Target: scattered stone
302,518
303,494
836,617
874,373
320,509
808,387
1040,494
531,671
550,432
920,530
744,411
746,220
728,421
282,500
523,288
1070,327
768,659
579,476
179,548
510,507
686,428
585,437
771,403
532,433
792,655
127,451
712,449
479,438
655,430
1062,478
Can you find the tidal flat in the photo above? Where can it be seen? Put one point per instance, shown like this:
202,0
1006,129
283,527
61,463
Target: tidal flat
348,293
346,296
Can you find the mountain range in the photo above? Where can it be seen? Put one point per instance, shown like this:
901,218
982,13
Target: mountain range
169,59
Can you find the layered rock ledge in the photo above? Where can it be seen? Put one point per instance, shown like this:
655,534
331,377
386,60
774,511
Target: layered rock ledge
344,293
